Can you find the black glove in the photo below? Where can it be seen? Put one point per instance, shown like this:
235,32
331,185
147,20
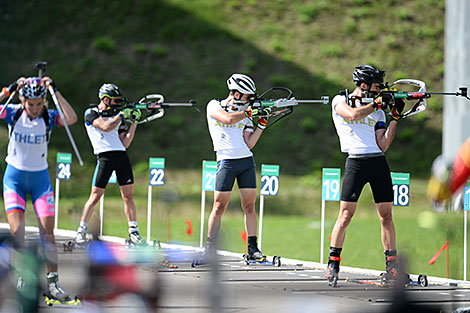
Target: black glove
13,86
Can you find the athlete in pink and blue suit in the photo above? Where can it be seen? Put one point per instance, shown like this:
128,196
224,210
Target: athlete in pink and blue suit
29,126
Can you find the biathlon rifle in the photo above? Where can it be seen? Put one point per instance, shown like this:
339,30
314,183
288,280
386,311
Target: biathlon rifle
152,107
390,93
280,107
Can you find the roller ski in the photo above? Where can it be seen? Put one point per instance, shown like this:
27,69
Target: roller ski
56,295
205,257
260,258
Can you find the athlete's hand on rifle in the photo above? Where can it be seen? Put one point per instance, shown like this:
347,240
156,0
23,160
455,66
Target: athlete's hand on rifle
131,114
250,111
379,103
262,123
397,109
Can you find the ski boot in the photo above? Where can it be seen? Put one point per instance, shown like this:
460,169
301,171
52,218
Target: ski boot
79,242
135,240
256,255
205,257
56,295
332,271
391,267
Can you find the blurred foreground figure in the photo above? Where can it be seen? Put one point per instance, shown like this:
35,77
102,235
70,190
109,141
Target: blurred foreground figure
447,180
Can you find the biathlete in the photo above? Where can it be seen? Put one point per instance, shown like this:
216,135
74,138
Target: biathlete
109,136
233,137
365,136
30,124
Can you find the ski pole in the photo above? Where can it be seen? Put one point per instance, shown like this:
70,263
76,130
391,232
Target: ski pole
61,114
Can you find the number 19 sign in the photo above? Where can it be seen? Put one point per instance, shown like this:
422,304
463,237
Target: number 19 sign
269,180
330,184
401,189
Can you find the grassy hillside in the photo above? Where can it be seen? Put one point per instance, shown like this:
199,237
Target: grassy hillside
187,49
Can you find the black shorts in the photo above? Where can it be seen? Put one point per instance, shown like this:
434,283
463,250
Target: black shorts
113,161
241,169
373,170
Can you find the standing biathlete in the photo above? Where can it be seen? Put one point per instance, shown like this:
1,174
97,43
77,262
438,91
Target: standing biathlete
233,136
30,124
364,136
110,137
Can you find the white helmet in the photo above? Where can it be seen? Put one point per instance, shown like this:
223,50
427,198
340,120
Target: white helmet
241,83
33,88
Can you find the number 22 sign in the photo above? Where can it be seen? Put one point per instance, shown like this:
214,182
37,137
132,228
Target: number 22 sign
157,171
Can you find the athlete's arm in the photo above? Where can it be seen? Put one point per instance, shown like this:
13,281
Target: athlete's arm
69,114
384,136
127,137
107,125
251,138
228,118
353,114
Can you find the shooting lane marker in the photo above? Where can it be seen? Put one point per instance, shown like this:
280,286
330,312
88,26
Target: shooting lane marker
156,178
209,169
269,187
401,189
63,172
330,191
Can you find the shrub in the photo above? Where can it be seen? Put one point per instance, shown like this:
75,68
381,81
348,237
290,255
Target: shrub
307,13
332,50
140,48
159,50
105,43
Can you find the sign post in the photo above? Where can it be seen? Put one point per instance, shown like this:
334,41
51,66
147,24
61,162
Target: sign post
156,178
112,180
401,189
269,187
64,172
209,169
466,207
330,192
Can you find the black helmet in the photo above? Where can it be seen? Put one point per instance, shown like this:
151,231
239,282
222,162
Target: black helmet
110,91
367,74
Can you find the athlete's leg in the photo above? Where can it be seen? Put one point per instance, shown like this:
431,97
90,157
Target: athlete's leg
248,199
384,210
127,194
46,231
221,199
346,212
17,226
95,196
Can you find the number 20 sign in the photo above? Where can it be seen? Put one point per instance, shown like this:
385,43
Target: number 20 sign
331,184
269,180
401,189
157,171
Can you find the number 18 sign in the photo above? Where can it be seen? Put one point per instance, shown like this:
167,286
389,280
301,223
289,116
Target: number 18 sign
157,171
330,184
269,180
401,189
